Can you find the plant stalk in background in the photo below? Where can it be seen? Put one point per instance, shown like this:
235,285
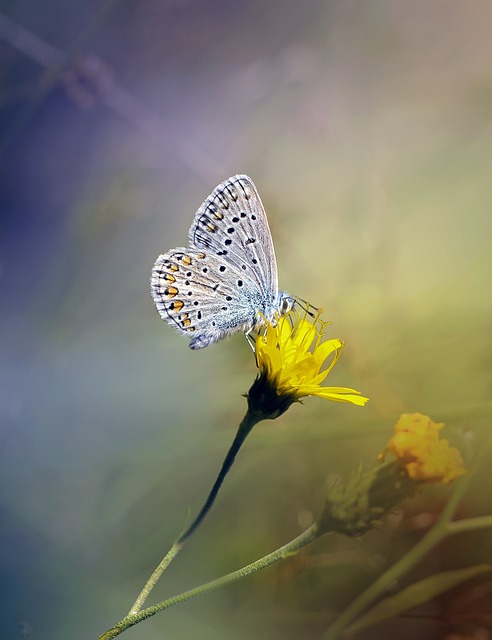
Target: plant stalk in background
353,509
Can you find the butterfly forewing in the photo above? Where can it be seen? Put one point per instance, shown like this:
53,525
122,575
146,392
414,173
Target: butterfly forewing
232,223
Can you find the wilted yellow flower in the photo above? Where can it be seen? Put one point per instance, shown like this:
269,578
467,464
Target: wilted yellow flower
291,354
420,451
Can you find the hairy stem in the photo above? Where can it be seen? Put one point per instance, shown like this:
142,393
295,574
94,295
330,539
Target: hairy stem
279,554
248,422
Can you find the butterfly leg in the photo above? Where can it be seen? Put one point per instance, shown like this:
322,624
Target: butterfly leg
250,340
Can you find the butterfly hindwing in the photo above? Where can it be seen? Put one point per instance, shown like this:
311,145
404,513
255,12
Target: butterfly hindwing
203,295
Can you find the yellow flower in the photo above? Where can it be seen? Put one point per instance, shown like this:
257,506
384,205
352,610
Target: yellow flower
291,354
421,453
360,503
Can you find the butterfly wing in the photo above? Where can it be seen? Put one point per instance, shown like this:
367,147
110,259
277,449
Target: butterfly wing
203,295
232,224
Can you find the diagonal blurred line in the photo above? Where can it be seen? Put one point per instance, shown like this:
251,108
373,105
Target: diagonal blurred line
124,104
30,45
19,33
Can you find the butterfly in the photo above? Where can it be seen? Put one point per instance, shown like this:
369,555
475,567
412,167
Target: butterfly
226,280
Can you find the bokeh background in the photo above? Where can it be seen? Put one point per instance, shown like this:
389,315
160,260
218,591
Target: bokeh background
367,128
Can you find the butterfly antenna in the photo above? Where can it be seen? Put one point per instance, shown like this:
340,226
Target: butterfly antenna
306,306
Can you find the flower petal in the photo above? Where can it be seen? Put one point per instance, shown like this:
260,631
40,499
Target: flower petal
424,456
338,394
291,355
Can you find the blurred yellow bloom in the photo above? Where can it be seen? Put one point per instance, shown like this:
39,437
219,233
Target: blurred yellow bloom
421,453
290,356
359,504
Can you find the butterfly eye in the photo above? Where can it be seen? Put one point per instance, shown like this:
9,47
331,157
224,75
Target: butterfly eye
286,305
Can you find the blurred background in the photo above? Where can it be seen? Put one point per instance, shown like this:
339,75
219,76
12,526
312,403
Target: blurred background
367,128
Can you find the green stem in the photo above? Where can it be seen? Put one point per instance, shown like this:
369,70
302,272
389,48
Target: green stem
248,422
435,535
470,524
383,583
152,581
279,554
440,530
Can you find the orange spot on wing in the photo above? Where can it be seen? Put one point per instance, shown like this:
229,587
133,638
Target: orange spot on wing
177,305
170,292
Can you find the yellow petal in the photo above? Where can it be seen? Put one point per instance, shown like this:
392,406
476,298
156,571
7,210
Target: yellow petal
339,394
292,355
304,335
420,451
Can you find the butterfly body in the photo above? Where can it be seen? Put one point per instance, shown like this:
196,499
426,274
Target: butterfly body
226,280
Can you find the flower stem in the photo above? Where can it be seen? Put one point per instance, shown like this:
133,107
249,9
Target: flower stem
152,581
279,554
470,524
250,419
384,581
248,422
440,530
